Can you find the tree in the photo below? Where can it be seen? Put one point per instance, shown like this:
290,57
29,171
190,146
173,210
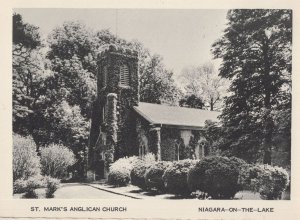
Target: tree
30,77
24,34
256,52
191,101
157,83
203,82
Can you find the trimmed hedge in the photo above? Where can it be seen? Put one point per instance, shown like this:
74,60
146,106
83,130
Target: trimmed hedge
217,176
119,171
119,177
138,171
153,176
175,177
137,174
267,180
124,163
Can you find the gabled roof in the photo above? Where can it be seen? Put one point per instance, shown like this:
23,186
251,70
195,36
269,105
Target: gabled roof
174,115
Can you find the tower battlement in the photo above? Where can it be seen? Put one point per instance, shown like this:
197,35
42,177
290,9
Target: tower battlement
121,50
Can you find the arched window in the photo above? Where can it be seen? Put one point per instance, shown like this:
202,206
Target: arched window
124,75
142,151
177,151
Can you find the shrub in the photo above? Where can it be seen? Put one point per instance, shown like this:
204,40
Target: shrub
19,186
175,177
138,171
217,176
124,163
153,176
22,185
55,160
52,185
32,184
119,171
269,181
26,162
119,177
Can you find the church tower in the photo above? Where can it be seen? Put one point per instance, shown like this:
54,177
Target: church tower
112,129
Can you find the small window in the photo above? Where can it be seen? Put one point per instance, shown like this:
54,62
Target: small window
105,76
124,75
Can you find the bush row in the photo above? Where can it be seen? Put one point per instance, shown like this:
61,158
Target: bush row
215,177
29,186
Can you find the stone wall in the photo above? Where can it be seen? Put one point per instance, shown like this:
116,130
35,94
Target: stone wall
175,144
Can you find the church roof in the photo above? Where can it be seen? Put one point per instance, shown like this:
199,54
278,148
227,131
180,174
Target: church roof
174,115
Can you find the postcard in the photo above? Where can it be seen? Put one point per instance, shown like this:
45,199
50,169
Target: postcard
149,109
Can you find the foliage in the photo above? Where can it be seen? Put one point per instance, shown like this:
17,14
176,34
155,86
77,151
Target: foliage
217,176
119,177
137,174
204,83
119,171
25,34
28,185
26,163
191,101
112,128
33,183
52,185
256,52
156,82
269,181
153,176
55,160
175,177
19,186
30,78
54,82
125,162
212,133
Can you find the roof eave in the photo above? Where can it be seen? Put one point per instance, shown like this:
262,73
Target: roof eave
143,115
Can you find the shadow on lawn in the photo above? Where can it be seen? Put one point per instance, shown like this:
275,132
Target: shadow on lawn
174,197
136,191
158,193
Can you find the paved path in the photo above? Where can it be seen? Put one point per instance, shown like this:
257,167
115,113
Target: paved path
81,191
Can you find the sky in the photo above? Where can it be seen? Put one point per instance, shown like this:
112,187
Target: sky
183,37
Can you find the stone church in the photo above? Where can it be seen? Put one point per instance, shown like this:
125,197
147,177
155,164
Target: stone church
123,126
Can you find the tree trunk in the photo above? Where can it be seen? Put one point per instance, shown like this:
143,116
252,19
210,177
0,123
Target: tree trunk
211,104
268,130
268,142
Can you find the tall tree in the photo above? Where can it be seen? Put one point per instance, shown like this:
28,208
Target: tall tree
256,52
204,83
29,78
157,83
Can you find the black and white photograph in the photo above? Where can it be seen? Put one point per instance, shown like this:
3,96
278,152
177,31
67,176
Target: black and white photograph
161,109
161,104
